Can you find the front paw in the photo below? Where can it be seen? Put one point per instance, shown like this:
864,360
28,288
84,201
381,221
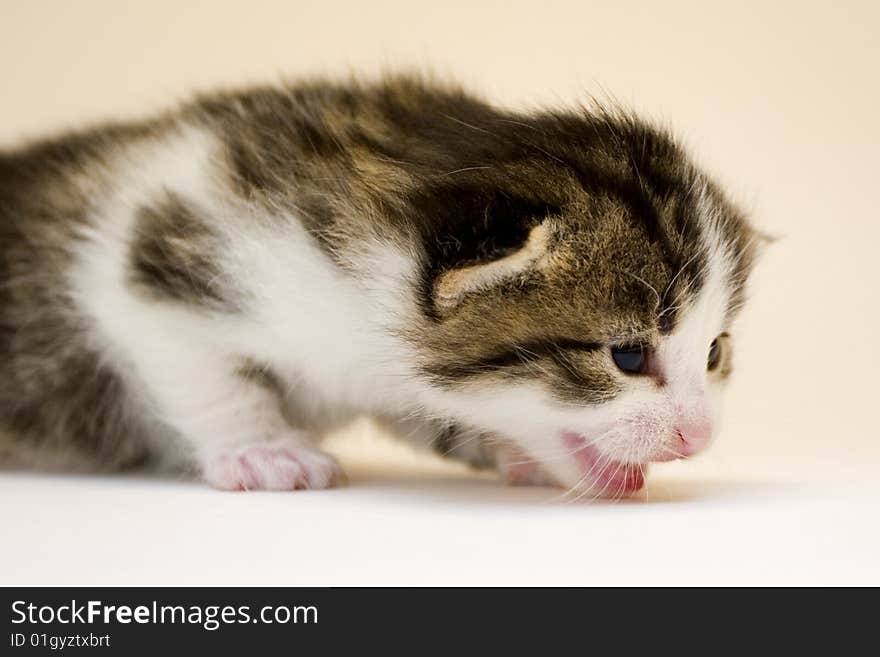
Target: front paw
277,465
518,469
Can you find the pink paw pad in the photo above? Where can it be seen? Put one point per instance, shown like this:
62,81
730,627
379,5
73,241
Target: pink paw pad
284,465
518,469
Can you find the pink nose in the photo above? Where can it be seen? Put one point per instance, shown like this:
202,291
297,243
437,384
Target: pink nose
694,435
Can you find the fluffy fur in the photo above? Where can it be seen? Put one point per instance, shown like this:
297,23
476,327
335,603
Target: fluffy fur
216,288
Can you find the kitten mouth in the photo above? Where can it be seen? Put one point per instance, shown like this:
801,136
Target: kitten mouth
609,478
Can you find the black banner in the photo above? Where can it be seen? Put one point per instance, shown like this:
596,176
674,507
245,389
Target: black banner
150,621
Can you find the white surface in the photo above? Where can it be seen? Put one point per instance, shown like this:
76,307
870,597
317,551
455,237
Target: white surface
778,99
441,525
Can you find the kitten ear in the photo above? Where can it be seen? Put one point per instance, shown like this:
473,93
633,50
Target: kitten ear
478,234
763,239
756,245
452,285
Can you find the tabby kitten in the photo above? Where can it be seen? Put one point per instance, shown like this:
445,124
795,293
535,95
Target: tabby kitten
214,289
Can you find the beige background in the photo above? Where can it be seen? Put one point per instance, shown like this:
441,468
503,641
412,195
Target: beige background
779,100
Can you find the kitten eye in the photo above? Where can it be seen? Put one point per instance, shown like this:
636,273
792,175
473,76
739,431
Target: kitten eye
630,359
714,355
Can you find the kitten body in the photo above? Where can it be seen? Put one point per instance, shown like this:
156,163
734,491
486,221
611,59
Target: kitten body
215,289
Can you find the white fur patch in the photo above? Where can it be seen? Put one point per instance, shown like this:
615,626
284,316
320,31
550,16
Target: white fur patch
328,334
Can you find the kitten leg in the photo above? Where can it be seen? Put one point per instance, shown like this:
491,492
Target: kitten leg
235,426
477,449
517,469
447,440
483,450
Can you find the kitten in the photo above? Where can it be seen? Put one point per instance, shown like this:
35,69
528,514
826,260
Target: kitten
214,289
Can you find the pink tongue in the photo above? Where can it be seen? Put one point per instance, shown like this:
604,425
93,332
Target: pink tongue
609,477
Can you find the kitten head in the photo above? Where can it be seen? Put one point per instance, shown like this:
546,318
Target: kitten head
578,294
